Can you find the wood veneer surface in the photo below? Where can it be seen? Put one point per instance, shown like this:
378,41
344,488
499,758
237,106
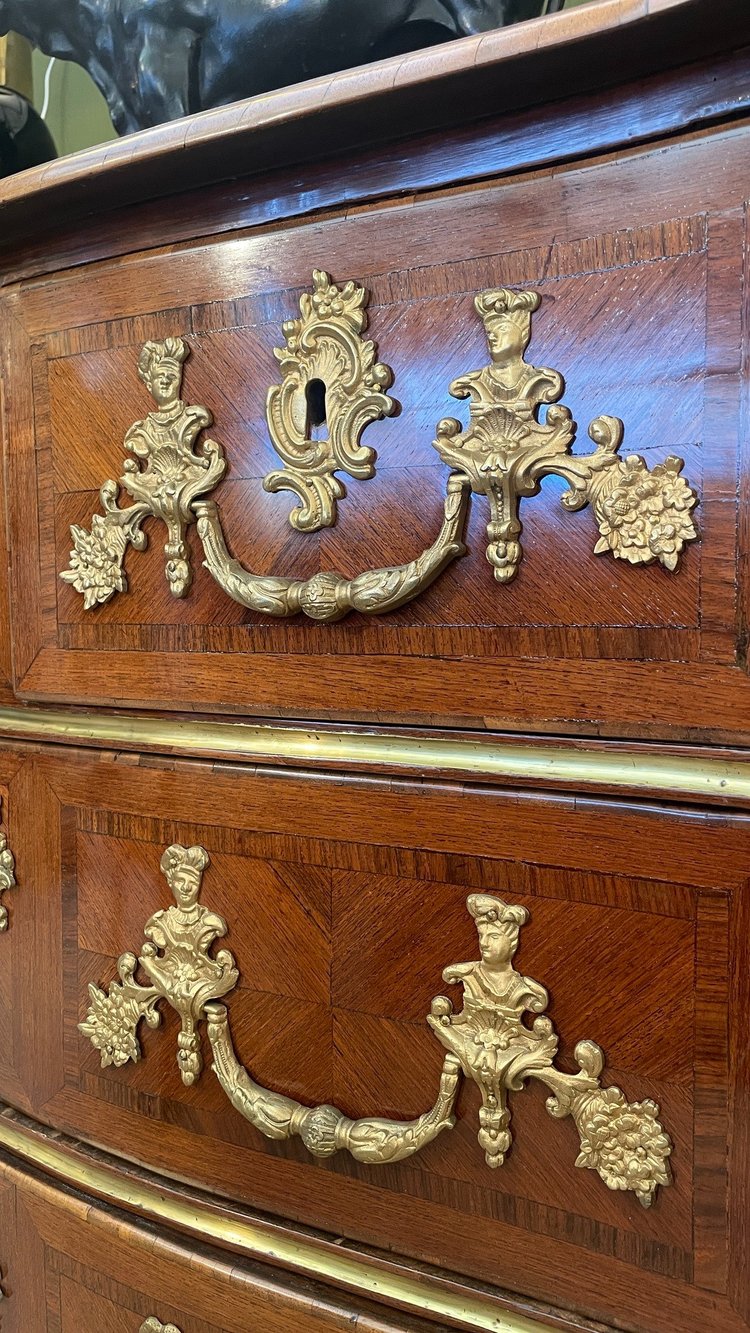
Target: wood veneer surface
595,45
639,262
345,899
71,1266
345,893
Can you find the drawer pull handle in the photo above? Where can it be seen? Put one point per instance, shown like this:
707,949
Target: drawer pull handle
154,1325
488,1042
325,1129
176,475
328,596
177,961
642,515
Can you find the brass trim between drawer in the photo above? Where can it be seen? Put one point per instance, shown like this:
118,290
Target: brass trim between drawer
547,763
415,1293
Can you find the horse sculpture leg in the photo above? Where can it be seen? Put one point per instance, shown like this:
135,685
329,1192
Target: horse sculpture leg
156,60
474,16
166,73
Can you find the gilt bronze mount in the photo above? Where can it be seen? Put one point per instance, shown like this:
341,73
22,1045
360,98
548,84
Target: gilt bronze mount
622,1140
180,970
325,357
7,877
175,474
643,515
488,1041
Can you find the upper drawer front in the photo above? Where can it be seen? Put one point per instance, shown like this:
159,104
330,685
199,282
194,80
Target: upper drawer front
334,924
638,266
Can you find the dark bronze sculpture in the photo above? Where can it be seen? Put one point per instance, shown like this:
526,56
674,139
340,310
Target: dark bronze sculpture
155,60
25,140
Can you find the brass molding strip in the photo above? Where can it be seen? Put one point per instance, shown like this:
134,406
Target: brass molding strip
414,1292
701,778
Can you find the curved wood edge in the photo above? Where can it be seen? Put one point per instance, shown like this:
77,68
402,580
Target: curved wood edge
628,769
121,1259
597,44
414,1289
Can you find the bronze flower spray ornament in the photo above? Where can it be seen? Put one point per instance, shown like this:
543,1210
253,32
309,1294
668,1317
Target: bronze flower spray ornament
488,1042
332,388
622,1140
506,451
175,474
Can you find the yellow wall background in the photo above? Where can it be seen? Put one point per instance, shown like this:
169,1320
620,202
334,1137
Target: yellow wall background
78,115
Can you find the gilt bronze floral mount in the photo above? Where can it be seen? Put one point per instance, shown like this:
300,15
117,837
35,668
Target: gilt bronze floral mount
7,877
622,1140
642,515
332,388
488,1041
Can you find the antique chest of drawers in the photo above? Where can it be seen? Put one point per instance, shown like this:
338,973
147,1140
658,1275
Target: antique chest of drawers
375,919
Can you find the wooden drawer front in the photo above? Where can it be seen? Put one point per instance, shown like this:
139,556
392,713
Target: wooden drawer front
344,900
70,1265
639,267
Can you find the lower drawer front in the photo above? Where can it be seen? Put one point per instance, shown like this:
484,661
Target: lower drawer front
71,1265
350,911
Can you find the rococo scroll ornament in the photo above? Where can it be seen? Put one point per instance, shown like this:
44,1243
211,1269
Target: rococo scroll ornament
154,1325
176,475
642,516
488,1041
330,376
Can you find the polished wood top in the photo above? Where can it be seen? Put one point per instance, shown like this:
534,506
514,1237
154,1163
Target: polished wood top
595,45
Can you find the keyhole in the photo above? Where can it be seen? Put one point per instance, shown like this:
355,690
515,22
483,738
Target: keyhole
315,395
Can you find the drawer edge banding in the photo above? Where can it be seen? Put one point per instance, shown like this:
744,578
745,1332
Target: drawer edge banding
414,1293
706,778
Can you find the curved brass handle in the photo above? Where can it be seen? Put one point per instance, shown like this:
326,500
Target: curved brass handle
488,1041
177,474
329,596
643,515
177,960
325,1129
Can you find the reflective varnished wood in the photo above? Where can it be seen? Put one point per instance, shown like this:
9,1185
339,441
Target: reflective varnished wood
71,1265
636,925
337,776
638,260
